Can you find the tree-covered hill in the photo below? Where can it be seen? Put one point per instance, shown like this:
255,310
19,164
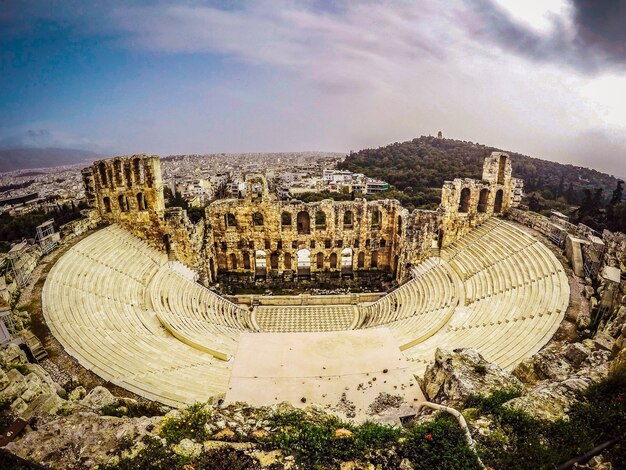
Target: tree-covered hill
426,162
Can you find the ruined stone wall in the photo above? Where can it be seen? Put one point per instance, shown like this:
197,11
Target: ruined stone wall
129,191
281,239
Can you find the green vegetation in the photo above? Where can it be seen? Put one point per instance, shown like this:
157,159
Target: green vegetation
18,227
131,409
409,198
520,441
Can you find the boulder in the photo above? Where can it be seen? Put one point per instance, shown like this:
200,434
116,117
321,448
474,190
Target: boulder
34,387
17,385
187,448
77,394
576,353
456,375
98,398
604,341
4,380
547,364
12,354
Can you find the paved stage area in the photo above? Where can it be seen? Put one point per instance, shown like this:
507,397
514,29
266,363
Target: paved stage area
353,373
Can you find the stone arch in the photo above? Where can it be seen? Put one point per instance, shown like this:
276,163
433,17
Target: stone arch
230,220
127,175
399,229
501,169
107,204
464,202
304,223
123,202
497,205
377,218
141,205
260,262
118,171
382,243
319,260
246,260
257,219
348,219
320,219
346,260
304,262
138,173
374,260
232,258
285,219
396,259
102,169
287,260
333,260
483,201
361,260
274,261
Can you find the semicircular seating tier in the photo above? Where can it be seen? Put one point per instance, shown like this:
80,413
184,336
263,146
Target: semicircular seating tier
122,310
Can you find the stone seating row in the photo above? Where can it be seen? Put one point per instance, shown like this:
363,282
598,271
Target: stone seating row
97,313
514,303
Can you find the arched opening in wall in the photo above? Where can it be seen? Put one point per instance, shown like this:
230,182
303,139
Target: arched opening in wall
319,261
285,219
333,261
212,268
127,176
123,202
119,172
483,200
374,260
465,200
167,243
102,169
140,202
395,265
246,260
138,171
107,204
257,219
274,261
347,219
376,218
260,263
287,260
233,261
230,220
497,205
399,229
346,261
304,262
222,265
383,243
304,223
361,260
320,220
501,169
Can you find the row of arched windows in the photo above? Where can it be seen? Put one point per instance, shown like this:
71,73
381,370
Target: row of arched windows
122,174
303,220
344,260
483,201
123,204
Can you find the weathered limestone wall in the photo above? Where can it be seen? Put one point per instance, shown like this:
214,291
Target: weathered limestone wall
129,191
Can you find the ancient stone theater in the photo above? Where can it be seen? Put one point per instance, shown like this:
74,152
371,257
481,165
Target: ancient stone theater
135,301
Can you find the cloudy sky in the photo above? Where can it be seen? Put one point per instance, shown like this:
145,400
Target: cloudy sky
542,77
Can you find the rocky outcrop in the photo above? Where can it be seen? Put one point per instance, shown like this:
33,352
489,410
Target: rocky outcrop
463,372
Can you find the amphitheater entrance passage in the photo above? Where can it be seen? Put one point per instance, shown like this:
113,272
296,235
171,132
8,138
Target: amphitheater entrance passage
346,261
483,200
304,262
304,223
260,263
497,205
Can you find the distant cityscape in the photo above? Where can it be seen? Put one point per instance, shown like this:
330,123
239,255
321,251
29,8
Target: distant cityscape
198,179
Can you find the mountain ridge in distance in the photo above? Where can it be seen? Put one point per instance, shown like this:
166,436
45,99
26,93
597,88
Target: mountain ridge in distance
23,158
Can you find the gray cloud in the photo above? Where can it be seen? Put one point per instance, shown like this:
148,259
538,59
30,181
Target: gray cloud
597,43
